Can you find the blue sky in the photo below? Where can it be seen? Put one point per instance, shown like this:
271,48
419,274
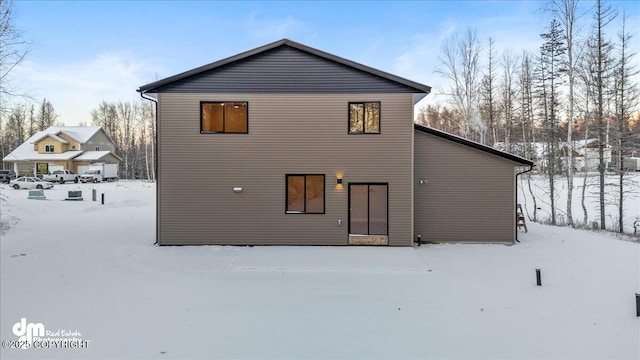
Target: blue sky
86,52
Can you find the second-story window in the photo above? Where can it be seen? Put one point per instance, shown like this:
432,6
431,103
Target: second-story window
364,117
49,148
224,117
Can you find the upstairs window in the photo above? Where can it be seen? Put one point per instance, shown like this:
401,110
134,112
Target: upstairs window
305,194
224,117
49,148
364,117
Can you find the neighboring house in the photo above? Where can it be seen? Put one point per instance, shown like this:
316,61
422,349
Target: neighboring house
289,145
588,149
62,148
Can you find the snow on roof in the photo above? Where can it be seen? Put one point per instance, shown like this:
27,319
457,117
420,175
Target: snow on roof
73,135
56,137
26,151
67,155
92,155
584,143
80,133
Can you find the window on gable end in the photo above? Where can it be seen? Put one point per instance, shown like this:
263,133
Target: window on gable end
224,117
364,117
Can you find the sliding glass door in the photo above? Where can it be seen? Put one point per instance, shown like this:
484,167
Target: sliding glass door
368,210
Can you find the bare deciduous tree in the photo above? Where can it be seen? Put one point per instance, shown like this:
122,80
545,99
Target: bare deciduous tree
459,64
601,49
509,65
625,102
106,117
14,130
132,127
13,50
146,118
566,13
46,116
126,121
525,113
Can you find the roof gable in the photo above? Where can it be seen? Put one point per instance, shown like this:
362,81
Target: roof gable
52,136
285,67
80,133
473,144
72,136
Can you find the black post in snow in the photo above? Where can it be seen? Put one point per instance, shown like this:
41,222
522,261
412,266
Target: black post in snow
637,304
102,198
538,278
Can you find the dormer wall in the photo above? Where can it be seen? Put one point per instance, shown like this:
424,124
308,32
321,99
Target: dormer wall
49,145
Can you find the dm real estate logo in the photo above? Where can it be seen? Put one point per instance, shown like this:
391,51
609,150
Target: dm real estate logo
26,332
34,335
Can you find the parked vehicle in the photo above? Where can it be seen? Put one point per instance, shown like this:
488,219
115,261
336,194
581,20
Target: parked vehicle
7,175
93,176
61,176
631,163
28,182
98,172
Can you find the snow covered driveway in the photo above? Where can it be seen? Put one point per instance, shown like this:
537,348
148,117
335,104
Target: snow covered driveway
92,271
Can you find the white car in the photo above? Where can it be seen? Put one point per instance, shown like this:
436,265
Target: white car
28,182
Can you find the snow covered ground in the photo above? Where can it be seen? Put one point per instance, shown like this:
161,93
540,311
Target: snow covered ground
92,271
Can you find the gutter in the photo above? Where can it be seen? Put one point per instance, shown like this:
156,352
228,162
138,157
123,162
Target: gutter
518,174
155,163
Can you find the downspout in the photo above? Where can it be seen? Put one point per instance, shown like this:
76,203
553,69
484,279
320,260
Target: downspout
155,162
518,174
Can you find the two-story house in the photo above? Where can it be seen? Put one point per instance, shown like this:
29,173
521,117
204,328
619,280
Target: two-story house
62,148
287,144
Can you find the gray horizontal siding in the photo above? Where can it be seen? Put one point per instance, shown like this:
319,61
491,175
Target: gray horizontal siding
288,134
101,140
468,195
285,70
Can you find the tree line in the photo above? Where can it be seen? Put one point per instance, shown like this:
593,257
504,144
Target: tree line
578,85
24,120
132,126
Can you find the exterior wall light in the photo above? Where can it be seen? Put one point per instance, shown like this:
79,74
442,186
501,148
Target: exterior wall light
338,181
